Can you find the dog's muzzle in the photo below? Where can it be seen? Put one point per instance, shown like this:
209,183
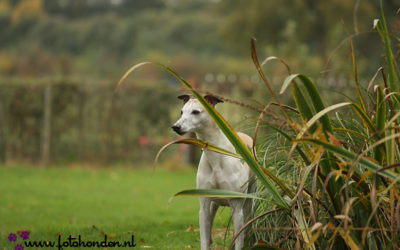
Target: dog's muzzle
178,129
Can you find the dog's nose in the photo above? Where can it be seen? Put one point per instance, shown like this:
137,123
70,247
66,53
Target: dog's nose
176,128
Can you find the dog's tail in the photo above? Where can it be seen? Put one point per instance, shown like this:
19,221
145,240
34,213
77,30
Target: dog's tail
248,207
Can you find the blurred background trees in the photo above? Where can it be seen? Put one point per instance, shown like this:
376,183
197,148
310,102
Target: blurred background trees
82,47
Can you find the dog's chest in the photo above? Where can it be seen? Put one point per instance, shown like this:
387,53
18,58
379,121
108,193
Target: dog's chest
218,171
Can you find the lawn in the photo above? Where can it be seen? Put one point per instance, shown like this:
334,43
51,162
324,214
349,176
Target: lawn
55,203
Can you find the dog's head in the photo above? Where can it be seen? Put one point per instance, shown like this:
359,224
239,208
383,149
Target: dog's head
193,115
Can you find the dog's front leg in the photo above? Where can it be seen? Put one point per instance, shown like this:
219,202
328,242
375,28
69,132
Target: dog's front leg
205,223
238,220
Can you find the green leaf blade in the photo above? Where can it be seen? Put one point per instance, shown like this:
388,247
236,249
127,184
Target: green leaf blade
215,193
370,165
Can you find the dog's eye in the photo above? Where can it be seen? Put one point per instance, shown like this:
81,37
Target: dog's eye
181,112
195,112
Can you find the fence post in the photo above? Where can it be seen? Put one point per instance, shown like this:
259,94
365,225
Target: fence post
46,130
81,125
3,143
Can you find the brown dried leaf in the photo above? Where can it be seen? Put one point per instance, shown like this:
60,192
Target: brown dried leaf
343,217
21,231
190,229
365,176
261,242
334,140
316,226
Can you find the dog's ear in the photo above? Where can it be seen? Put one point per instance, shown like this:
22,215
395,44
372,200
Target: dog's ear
185,98
212,100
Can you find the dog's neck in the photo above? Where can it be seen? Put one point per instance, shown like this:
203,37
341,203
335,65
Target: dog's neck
212,134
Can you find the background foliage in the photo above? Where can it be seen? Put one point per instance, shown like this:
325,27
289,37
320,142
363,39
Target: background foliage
82,47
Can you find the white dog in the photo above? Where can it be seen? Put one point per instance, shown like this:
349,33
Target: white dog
216,171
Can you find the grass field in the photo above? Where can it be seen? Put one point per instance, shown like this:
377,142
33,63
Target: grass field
59,202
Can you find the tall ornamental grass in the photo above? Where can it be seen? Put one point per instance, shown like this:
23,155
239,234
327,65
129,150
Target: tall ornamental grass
328,176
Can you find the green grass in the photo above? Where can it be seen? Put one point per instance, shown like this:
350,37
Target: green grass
91,203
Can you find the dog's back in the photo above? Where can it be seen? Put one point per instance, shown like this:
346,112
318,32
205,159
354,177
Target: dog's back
246,139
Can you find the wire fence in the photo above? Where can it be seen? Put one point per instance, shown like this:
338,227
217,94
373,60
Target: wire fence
66,122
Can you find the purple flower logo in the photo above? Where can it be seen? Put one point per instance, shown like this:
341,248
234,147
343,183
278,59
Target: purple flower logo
19,247
25,235
12,237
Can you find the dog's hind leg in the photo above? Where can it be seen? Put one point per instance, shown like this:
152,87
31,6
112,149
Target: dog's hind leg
238,220
248,204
